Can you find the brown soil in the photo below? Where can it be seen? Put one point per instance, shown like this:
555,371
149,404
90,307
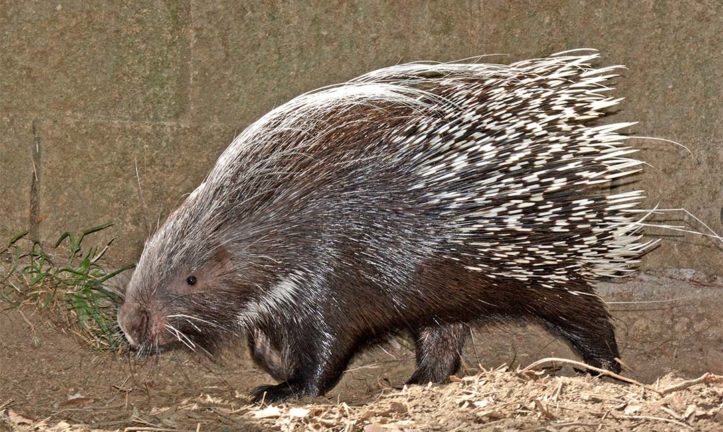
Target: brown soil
48,381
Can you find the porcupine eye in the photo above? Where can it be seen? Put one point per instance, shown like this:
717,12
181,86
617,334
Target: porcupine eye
191,280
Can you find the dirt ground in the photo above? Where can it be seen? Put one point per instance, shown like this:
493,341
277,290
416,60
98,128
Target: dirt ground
667,323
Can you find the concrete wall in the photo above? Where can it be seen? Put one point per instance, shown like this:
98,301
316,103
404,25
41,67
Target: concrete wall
93,93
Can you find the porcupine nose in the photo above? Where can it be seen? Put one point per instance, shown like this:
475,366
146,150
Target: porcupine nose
133,321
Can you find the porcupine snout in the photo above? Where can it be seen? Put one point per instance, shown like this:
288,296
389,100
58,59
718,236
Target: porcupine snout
133,320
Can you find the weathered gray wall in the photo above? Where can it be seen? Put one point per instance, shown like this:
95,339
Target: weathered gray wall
165,86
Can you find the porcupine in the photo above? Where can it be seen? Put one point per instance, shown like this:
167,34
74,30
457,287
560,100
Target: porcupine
422,197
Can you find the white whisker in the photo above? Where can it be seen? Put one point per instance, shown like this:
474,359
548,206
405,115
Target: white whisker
181,337
190,318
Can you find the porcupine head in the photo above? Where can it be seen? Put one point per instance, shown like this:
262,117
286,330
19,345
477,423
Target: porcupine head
182,286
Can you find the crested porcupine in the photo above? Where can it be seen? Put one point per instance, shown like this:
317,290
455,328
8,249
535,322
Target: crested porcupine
420,197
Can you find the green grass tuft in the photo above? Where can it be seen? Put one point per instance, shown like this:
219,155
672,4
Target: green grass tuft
71,278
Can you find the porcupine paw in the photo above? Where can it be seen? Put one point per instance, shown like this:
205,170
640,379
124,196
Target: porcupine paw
423,376
613,365
610,364
275,393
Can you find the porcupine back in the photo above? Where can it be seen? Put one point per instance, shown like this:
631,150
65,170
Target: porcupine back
500,165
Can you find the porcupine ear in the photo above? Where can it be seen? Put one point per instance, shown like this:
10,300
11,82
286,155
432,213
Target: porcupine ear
209,276
221,253
222,256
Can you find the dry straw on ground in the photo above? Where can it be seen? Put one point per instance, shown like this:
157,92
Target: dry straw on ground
525,399
521,400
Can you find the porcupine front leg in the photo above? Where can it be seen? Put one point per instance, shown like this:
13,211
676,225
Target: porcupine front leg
438,352
319,359
268,356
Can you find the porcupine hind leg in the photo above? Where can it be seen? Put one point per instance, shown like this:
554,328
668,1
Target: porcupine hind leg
583,320
438,352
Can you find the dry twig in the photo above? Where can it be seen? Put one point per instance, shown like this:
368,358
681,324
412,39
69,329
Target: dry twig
707,378
675,422
593,368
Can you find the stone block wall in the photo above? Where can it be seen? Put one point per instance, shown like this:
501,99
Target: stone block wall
115,110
